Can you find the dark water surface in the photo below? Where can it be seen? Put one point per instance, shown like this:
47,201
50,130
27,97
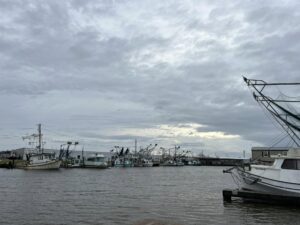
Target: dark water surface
183,195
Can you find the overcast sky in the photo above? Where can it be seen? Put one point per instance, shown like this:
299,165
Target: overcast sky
166,72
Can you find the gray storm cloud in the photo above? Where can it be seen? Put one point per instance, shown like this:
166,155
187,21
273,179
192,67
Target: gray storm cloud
106,72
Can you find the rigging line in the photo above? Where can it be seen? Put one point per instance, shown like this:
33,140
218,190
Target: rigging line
274,111
292,108
289,123
285,122
276,117
282,134
276,124
287,96
290,97
290,143
295,144
283,109
280,140
271,119
267,108
295,136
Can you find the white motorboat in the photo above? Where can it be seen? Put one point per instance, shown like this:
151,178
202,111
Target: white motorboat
283,177
95,161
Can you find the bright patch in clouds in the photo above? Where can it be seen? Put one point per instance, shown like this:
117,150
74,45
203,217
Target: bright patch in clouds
188,130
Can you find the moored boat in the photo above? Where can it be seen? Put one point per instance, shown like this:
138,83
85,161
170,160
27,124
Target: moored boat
122,162
42,161
282,177
39,160
95,161
172,163
147,163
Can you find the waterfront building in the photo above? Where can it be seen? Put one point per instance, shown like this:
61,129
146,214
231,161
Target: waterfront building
265,154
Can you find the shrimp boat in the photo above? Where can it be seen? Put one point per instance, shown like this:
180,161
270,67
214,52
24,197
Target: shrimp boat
122,157
147,163
283,176
123,162
173,163
42,161
39,160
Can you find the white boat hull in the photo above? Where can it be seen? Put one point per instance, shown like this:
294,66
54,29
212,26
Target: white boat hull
55,164
96,166
249,181
173,164
147,164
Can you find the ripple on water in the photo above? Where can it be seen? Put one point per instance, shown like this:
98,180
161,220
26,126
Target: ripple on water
186,195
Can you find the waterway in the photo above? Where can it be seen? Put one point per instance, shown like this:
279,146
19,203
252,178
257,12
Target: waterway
175,195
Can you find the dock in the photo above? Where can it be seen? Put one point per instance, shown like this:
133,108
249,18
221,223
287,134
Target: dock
228,194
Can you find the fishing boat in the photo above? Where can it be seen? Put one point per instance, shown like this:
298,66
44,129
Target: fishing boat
147,163
174,159
172,163
39,160
144,157
95,161
283,176
122,157
123,162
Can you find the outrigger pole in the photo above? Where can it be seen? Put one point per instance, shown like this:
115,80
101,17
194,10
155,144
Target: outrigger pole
261,82
288,120
253,83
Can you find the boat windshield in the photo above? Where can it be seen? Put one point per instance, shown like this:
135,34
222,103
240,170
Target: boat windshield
291,164
96,159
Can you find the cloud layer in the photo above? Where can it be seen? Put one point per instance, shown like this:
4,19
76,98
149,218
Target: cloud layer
107,72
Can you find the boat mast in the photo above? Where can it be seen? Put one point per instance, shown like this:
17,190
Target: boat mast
82,163
40,138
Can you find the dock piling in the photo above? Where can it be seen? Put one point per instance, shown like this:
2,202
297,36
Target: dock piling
227,195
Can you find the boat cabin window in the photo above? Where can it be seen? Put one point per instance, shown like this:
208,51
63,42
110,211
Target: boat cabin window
291,164
91,159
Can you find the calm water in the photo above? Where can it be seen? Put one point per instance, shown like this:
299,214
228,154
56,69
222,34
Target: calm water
184,195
